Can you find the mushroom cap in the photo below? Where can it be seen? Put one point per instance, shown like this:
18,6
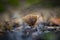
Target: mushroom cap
55,20
30,19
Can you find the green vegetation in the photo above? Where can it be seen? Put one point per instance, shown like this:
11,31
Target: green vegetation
49,36
14,3
5,3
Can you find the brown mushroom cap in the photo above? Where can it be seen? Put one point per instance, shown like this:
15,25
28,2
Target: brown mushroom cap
55,20
30,19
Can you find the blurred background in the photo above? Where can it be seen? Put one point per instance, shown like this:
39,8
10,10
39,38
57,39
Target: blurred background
14,8
11,11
